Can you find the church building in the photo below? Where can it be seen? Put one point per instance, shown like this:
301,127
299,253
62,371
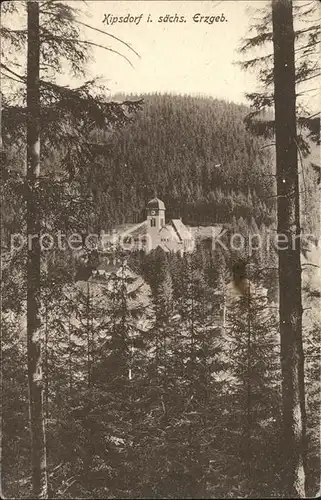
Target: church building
154,232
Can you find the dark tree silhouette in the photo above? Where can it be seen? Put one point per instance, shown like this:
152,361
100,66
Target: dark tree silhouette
288,213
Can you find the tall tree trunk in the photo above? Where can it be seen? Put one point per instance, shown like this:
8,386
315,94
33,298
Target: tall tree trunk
46,367
292,362
1,376
35,376
70,358
88,328
249,394
1,368
1,240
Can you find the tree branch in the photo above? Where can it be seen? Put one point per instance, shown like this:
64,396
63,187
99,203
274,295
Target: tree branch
108,34
22,78
87,42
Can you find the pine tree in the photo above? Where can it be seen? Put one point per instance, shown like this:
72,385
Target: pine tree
286,75
117,380
35,376
250,352
292,358
48,103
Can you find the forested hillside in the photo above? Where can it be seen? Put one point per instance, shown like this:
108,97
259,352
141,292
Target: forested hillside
194,153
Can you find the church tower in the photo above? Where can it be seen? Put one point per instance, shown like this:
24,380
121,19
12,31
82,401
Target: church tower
155,220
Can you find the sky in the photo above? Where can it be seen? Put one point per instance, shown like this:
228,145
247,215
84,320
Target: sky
188,58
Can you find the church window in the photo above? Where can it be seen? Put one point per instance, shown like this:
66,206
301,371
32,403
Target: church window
162,222
153,222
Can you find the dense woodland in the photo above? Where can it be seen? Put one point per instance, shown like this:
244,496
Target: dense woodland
146,394
160,383
195,153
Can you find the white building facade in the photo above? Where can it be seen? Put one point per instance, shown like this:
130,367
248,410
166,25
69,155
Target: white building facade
154,232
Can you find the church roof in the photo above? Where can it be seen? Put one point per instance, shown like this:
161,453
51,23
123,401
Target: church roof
170,232
123,231
138,230
181,229
156,203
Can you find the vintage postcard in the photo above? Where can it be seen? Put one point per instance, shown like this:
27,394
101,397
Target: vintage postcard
160,249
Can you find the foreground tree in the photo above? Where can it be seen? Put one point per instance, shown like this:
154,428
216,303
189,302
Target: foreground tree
64,117
35,378
288,215
250,349
288,66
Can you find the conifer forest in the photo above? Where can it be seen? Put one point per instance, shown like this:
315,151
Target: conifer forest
182,371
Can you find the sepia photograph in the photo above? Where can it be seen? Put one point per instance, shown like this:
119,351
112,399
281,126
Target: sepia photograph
160,301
